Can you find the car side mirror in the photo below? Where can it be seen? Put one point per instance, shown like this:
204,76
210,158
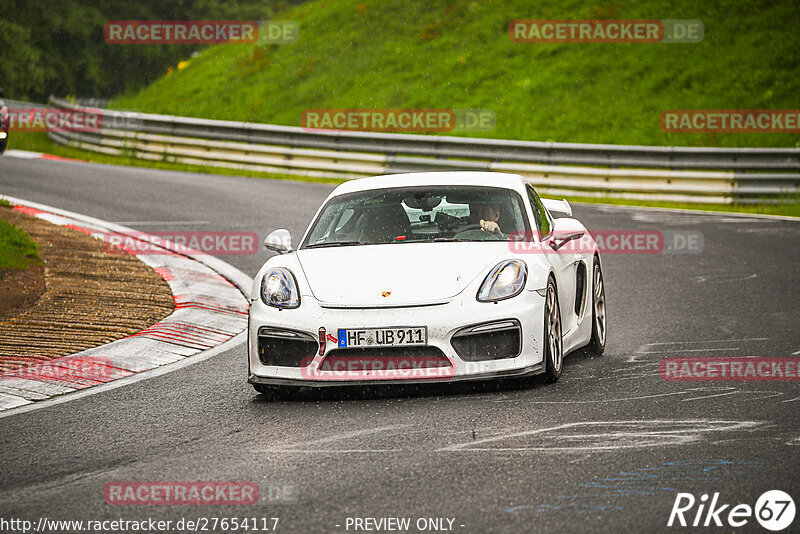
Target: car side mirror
279,241
564,231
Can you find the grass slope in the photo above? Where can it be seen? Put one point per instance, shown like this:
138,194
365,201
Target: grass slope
457,54
17,250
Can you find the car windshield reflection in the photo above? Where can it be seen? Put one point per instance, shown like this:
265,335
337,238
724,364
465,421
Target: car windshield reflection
418,215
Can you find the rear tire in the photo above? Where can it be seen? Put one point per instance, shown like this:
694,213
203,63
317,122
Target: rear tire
553,343
597,345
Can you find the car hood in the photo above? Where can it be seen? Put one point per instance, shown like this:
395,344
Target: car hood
411,274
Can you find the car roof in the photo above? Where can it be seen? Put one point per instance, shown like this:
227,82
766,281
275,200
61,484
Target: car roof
467,178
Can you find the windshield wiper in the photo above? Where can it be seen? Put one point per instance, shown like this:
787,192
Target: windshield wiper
336,244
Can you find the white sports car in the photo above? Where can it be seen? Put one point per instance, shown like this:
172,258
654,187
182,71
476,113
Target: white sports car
426,277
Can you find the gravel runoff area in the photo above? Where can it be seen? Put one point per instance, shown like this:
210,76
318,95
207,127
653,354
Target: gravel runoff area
93,295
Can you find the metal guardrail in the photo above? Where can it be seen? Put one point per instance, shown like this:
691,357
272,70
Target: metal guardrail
23,104
692,174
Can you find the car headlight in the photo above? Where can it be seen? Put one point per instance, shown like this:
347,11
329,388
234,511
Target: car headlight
279,289
506,280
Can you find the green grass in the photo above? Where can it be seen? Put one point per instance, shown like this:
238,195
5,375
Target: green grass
457,54
17,250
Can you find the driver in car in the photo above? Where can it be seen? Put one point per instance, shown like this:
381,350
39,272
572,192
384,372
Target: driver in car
486,215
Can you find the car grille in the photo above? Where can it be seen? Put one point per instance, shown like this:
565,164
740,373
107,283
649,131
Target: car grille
488,341
418,357
286,348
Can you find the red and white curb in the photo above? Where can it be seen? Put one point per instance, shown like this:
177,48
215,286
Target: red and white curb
210,310
26,154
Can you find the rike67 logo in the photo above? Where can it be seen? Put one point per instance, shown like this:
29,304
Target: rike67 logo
774,510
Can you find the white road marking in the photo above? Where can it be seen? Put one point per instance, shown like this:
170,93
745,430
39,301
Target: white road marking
711,396
321,451
670,351
581,437
155,223
644,349
719,216
678,219
715,278
292,447
730,390
22,154
632,434
710,341
624,399
773,394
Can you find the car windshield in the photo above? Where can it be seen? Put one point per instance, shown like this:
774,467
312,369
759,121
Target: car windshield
419,214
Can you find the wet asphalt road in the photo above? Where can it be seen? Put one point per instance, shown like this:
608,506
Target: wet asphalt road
606,449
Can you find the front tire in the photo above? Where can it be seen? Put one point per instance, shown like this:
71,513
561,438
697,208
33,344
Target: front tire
597,345
553,345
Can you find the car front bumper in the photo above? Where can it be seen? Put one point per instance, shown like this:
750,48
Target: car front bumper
442,322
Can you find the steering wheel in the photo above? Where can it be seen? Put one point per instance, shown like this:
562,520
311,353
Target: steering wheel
475,231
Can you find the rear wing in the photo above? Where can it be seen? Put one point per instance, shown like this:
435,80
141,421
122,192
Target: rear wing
558,206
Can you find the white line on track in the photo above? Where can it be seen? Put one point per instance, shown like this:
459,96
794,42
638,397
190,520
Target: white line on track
155,223
670,351
601,401
334,438
322,451
22,154
643,349
710,341
610,435
710,396
613,207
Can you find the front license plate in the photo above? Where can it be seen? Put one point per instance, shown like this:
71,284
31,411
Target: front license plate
383,337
